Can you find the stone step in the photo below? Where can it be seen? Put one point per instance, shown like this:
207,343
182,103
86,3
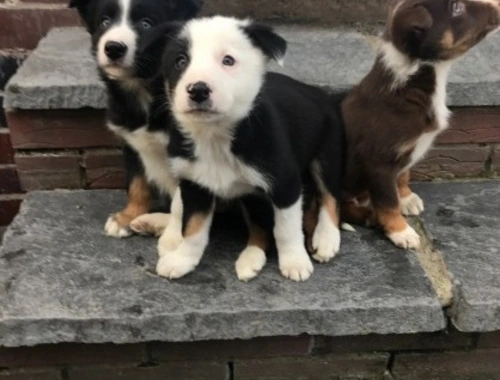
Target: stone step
318,12
63,280
61,74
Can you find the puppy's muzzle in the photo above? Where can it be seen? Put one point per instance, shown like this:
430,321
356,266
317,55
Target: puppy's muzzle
199,92
115,50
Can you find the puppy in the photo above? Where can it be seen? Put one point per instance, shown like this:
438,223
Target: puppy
394,115
136,109
240,131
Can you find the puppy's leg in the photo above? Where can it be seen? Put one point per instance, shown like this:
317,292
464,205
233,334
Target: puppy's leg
258,215
384,196
139,203
171,237
197,215
150,224
411,203
294,260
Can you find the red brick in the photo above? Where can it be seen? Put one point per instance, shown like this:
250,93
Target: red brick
50,374
473,125
23,27
6,150
489,340
47,171
105,169
233,349
59,129
45,1
170,371
448,162
353,366
383,343
9,207
71,354
468,365
9,180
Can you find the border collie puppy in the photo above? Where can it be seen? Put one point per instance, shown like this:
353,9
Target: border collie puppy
136,109
394,115
240,131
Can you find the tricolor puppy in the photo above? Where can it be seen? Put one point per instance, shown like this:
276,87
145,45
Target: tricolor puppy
136,109
241,131
394,115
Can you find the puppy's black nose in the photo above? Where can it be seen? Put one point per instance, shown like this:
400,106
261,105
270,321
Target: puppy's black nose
115,50
199,92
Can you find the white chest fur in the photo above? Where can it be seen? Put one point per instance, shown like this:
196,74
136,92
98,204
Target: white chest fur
152,149
440,111
219,170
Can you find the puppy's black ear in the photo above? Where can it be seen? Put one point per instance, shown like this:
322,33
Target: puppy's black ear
82,7
262,36
410,28
186,9
153,44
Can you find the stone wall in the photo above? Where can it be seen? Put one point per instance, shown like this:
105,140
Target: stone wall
443,356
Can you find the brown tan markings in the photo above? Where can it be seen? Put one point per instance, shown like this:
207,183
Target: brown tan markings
139,202
310,221
403,185
257,237
331,207
195,224
391,220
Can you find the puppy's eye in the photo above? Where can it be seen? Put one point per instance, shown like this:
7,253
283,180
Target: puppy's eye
181,61
145,23
105,22
228,61
458,8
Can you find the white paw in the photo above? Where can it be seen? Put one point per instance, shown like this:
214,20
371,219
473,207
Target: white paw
150,224
295,264
176,264
250,263
326,242
169,241
115,229
407,239
412,205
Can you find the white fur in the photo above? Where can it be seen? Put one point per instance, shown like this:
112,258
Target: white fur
217,168
150,224
407,239
233,88
178,263
115,229
326,238
152,148
119,32
250,263
401,66
412,205
172,237
294,261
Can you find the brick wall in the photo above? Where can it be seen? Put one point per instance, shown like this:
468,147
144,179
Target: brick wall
22,24
443,356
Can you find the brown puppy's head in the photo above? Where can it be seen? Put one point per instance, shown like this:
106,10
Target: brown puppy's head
439,30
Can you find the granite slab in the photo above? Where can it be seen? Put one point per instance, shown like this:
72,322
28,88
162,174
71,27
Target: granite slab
61,74
463,220
63,280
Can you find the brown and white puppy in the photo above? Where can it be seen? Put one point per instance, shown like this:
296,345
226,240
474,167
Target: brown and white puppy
393,116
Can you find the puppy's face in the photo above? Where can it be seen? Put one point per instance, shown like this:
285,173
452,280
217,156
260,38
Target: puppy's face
214,68
437,30
117,27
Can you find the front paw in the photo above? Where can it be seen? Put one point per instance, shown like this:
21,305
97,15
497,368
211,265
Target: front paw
150,224
295,263
176,264
407,239
117,226
250,263
412,205
326,242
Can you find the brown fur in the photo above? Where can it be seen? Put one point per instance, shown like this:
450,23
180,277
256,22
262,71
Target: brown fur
257,237
194,225
384,120
139,202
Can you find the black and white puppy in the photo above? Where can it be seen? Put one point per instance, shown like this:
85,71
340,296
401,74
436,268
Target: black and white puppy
240,131
136,109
